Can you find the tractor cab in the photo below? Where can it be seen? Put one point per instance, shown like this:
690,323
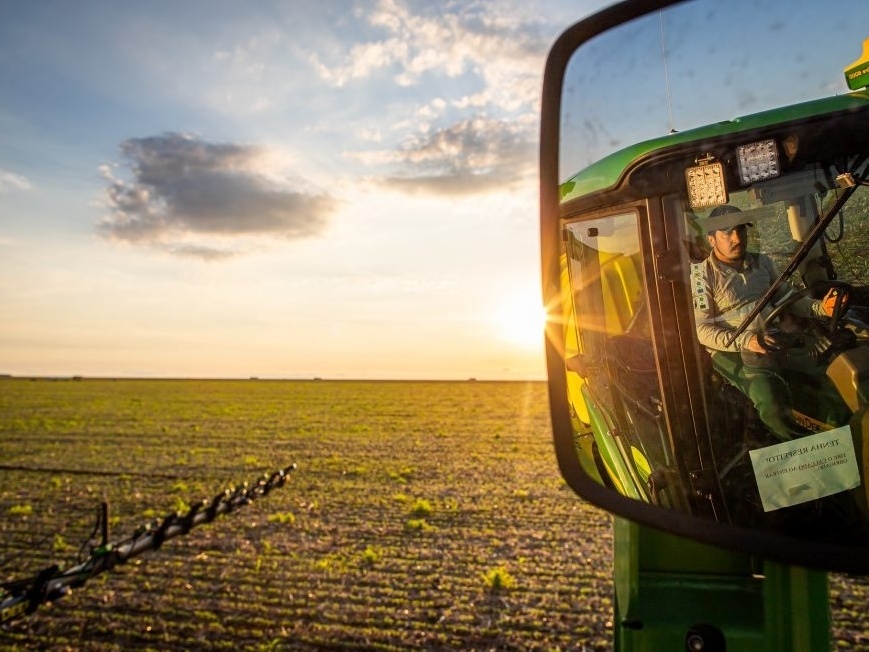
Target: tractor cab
659,406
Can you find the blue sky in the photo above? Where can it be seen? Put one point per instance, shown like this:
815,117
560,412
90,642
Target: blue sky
325,189
273,189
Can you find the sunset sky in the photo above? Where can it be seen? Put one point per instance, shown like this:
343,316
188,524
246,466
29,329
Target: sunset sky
274,189
290,189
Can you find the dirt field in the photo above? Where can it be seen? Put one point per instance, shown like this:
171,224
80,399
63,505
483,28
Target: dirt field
421,515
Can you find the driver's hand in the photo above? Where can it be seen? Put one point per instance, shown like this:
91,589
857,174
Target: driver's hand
754,345
819,345
828,303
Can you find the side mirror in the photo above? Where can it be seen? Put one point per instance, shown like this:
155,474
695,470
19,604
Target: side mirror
700,163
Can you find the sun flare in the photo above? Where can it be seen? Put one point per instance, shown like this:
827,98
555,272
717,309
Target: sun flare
521,320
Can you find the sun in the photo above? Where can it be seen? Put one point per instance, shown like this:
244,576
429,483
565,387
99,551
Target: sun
520,319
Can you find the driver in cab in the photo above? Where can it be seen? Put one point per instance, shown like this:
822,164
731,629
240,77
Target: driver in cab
726,287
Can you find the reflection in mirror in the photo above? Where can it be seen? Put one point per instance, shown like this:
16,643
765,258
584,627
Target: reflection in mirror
701,62
714,268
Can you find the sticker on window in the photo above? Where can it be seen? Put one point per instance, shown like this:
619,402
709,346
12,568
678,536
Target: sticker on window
805,469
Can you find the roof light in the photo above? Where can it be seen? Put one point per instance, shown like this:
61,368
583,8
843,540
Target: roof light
757,161
706,185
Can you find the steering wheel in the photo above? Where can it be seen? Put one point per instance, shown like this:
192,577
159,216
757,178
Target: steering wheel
819,339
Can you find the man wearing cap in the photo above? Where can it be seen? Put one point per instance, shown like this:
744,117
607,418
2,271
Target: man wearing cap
726,286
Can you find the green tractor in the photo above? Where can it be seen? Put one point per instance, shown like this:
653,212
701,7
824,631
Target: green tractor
706,278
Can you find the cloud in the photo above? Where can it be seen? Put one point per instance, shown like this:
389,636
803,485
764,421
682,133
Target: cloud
473,155
186,194
503,49
12,181
200,252
480,66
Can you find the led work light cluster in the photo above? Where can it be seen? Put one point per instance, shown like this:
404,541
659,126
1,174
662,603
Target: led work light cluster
706,181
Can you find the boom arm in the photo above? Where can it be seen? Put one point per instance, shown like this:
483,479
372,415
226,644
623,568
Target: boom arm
24,596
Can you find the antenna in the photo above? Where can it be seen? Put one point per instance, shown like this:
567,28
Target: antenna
666,74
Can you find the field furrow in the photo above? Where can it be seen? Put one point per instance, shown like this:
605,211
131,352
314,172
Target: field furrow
421,515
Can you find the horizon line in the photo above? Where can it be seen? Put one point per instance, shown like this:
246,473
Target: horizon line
81,377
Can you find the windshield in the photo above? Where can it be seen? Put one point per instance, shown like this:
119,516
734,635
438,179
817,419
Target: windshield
781,312
780,213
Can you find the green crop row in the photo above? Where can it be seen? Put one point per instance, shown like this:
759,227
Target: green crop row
421,515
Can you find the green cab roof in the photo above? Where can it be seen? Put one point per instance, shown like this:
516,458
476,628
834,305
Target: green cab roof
607,172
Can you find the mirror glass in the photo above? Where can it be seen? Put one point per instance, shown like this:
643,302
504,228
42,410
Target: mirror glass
713,239
701,62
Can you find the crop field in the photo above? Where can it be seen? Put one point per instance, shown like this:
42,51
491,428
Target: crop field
423,515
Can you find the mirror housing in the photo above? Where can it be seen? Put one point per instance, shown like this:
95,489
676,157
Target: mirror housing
561,202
